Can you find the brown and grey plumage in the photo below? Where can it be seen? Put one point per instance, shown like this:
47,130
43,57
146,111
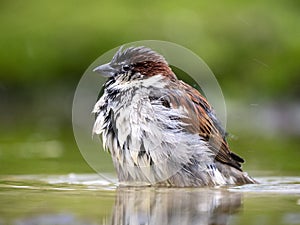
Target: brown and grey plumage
158,129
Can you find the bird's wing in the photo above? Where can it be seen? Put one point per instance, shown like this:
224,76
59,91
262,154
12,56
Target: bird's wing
202,120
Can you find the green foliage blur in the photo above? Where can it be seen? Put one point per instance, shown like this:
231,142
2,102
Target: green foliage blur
253,48
248,44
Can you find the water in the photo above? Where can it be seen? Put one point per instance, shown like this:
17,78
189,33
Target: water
90,199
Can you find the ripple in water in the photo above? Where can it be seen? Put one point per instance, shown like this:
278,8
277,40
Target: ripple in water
280,185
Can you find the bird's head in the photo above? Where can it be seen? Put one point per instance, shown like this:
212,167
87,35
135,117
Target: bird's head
135,63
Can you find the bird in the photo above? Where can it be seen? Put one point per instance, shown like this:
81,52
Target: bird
159,130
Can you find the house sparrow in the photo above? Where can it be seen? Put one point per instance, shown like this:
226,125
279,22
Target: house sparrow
158,129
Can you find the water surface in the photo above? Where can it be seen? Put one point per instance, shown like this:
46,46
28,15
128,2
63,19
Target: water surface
90,199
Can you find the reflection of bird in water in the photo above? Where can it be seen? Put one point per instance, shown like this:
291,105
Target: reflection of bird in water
158,129
174,206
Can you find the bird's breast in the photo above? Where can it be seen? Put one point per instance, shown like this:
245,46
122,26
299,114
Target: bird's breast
145,134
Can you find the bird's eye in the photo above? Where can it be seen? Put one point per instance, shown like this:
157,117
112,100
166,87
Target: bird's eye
126,67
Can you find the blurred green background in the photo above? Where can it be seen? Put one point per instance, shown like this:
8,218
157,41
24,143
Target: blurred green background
253,48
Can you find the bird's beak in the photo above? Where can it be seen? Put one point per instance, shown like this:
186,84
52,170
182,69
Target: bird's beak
106,70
